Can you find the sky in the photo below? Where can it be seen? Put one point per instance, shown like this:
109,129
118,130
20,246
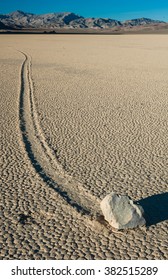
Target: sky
115,9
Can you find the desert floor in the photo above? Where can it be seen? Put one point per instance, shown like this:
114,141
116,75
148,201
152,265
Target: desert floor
81,116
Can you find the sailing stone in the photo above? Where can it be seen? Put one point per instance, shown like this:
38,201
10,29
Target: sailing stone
121,212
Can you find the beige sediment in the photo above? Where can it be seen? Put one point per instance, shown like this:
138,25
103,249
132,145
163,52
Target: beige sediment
100,108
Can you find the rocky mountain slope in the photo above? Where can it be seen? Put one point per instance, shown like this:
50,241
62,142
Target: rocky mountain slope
3,26
22,20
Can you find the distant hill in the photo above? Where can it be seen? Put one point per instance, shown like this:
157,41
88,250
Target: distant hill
141,21
51,21
4,27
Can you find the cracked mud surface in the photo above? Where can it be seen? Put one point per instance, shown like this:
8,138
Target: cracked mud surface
81,116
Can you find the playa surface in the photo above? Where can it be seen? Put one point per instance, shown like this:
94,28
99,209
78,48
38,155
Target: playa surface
81,116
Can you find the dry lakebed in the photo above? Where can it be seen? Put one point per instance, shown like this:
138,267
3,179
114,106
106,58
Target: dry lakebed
82,116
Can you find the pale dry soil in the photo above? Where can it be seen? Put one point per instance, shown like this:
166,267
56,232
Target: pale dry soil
81,116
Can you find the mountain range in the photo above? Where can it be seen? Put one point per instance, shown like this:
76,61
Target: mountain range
20,20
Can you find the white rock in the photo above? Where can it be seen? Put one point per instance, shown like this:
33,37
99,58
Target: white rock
121,212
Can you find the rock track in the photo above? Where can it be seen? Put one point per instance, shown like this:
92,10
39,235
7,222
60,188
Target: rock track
42,157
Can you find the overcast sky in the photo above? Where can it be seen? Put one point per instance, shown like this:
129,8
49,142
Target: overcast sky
119,9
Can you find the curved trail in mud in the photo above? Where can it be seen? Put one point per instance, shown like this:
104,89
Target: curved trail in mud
42,157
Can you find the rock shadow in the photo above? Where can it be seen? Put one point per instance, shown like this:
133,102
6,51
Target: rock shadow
155,208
